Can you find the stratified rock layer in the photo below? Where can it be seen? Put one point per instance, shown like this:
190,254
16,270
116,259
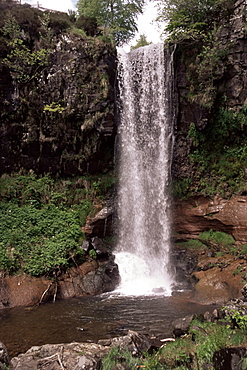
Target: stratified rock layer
192,217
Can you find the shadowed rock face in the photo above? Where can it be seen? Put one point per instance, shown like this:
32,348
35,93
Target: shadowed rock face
231,85
62,123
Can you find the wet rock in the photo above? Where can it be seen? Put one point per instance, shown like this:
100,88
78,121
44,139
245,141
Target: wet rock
133,341
90,278
76,140
181,326
101,224
100,247
184,264
4,357
229,358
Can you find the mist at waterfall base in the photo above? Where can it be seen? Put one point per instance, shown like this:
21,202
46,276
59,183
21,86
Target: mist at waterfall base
145,148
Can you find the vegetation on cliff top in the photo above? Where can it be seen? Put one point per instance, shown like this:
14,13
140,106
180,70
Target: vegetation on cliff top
191,19
118,17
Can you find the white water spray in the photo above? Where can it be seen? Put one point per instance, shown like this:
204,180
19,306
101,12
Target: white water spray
146,138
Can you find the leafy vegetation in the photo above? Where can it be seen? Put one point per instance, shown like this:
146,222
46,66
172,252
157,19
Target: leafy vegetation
219,154
28,36
192,19
142,41
217,133
41,220
219,243
117,17
219,238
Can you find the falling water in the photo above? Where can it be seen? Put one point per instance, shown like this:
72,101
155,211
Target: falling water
146,137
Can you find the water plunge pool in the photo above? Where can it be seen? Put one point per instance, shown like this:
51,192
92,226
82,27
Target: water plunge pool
89,319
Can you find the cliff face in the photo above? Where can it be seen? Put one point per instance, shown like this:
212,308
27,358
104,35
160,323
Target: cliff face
199,101
59,118
209,165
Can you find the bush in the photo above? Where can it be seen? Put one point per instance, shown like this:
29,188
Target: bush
219,154
221,239
41,220
38,241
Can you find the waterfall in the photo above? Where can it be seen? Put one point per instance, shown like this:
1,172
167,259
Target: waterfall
145,147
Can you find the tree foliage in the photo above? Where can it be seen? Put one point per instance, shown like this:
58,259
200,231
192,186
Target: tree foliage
142,41
118,17
191,18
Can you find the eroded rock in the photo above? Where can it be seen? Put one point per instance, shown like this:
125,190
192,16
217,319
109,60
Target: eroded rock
193,216
90,278
77,356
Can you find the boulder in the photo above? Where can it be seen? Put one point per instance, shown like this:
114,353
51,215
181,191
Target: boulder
217,280
229,358
90,278
181,326
77,356
24,290
101,224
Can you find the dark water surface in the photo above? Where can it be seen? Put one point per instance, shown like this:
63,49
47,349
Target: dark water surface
90,319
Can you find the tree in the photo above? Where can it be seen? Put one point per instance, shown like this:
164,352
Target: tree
192,18
118,17
141,42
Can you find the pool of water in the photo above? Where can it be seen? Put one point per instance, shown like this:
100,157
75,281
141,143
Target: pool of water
91,318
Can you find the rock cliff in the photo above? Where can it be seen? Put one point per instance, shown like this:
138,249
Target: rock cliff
230,85
58,117
208,171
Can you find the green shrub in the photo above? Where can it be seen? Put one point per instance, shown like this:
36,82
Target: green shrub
219,154
220,238
123,356
41,220
193,244
38,240
209,337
